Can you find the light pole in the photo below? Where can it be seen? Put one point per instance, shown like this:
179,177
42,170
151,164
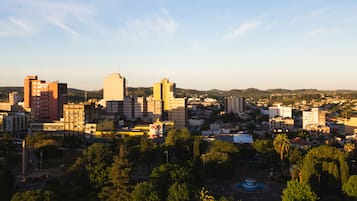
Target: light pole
167,156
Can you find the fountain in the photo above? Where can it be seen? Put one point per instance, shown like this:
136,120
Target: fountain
250,185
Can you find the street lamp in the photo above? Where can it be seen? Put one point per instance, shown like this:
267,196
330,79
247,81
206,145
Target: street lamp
167,156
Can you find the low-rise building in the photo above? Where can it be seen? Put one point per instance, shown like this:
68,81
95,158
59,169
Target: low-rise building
13,122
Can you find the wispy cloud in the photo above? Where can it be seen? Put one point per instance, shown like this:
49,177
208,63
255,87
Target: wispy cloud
321,32
39,13
312,14
15,27
60,24
243,30
158,24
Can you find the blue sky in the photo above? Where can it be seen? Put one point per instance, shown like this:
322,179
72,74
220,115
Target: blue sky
200,44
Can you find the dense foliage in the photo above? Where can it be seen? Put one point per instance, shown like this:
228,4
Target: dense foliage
296,191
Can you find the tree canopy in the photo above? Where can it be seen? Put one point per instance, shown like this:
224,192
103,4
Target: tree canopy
350,188
296,191
281,145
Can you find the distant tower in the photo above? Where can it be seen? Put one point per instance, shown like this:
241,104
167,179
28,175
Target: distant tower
114,87
45,99
234,104
163,91
28,90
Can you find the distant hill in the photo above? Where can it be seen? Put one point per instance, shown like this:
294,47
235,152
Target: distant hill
77,95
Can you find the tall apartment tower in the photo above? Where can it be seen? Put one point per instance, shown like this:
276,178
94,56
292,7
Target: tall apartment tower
163,91
44,99
28,90
114,88
234,104
178,112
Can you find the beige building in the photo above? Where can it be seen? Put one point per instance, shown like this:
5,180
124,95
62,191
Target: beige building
47,127
163,91
14,99
77,115
154,108
280,124
114,88
178,112
140,108
350,125
313,118
94,128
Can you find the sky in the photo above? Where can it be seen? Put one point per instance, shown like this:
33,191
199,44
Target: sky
198,44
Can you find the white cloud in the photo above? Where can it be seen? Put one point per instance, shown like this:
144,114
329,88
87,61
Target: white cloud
39,13
60,24
243,29
319,32
158,24
15,27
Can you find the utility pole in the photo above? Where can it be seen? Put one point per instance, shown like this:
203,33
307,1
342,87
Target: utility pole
167,156
24,158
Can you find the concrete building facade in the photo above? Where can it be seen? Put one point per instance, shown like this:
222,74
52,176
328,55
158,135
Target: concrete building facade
163,91
178,112
114,88
44,99
77,115
313,118
234,104
154,109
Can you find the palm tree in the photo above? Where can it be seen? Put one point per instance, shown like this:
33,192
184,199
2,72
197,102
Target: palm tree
281,145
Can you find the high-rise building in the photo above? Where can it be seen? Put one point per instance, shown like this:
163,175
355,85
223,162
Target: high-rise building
44,99
28,90
178,112
163,91
234,104
114,88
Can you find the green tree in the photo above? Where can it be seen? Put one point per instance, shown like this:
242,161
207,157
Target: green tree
325,169
179,192
204,195
294,155
167,174
148,151
7,181
144,191
263,146
223,147
296,191
350,188
34,195
266,151
97,159
281,145
179,142
119,177
6,144
196,147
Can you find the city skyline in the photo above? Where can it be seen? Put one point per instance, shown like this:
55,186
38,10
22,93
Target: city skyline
198,45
